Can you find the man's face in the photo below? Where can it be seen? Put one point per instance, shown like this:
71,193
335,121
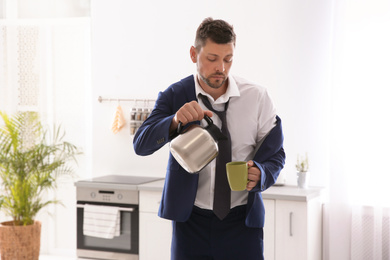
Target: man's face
213,63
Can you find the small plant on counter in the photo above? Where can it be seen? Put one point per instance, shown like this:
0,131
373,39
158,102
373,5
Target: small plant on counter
302,163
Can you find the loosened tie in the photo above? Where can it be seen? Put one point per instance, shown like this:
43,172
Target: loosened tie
221,189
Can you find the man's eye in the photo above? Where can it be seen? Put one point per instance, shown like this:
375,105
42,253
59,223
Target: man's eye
229,60
211,59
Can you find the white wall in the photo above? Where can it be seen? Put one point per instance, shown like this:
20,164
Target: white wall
140,48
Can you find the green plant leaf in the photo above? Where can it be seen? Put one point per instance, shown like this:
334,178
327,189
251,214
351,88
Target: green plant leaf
31,160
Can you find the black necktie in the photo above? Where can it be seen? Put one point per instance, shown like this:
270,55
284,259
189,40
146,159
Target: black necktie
221,189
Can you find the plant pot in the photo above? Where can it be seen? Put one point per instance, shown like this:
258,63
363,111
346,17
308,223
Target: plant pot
20,242
303,179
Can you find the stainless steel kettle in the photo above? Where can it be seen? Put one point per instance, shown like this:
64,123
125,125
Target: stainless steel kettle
196,147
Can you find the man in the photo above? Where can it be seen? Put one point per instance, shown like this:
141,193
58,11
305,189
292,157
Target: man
200,231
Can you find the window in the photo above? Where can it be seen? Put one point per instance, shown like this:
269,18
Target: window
45,66
360,106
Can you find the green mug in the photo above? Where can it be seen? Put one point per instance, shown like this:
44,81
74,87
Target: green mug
237,174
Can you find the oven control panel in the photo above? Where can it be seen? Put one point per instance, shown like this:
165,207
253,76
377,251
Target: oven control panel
107,195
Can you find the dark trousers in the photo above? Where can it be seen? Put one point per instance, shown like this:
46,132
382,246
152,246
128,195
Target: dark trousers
205,237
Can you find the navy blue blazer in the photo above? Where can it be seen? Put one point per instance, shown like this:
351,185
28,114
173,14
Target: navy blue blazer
180,186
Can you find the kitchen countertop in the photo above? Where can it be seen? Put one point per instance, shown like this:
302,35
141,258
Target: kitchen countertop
291,192
118,182
285,192
152,186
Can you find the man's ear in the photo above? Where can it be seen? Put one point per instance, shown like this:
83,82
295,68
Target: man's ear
193,54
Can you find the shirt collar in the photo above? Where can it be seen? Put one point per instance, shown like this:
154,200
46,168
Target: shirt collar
232,91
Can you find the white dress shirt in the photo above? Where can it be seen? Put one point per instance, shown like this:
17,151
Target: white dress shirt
250,117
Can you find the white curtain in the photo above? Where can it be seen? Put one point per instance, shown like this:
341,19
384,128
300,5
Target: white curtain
370,233
360,132
45,66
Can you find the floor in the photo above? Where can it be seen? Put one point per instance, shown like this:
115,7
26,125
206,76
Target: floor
53,257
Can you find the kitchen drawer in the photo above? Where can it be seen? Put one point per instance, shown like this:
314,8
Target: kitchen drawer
149,201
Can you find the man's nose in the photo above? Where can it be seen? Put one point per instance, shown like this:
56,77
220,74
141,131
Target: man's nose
220,67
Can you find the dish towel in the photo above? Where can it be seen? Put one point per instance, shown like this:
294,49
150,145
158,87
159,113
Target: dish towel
101,221
119,120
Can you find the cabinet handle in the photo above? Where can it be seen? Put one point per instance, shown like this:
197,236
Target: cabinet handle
291,216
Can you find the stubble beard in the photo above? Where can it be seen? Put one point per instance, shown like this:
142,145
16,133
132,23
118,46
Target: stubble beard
215,85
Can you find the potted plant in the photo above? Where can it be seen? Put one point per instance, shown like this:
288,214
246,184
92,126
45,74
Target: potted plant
31,160
302,167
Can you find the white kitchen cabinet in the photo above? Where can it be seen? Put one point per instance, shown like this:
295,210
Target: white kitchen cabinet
155,233
269,230
293,227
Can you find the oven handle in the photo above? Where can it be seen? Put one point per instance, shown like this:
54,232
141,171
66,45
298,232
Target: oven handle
120,209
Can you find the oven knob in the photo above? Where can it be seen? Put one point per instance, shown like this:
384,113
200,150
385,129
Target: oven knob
93,194
120,196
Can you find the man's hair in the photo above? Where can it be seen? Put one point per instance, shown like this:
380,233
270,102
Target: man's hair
217,31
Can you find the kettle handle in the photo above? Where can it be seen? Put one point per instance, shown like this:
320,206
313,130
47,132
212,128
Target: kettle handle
206,117
179,127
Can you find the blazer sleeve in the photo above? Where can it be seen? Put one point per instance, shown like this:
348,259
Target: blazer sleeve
154,132
270,158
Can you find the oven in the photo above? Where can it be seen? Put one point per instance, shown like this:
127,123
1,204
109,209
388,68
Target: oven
110,191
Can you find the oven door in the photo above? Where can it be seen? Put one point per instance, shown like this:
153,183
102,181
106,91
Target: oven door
124,246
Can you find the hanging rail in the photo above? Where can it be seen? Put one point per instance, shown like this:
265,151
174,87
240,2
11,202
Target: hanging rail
100,99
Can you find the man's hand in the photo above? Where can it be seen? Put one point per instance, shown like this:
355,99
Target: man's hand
189,112
254,175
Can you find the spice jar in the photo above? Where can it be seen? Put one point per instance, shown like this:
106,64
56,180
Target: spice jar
139,114
133,114
145,114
